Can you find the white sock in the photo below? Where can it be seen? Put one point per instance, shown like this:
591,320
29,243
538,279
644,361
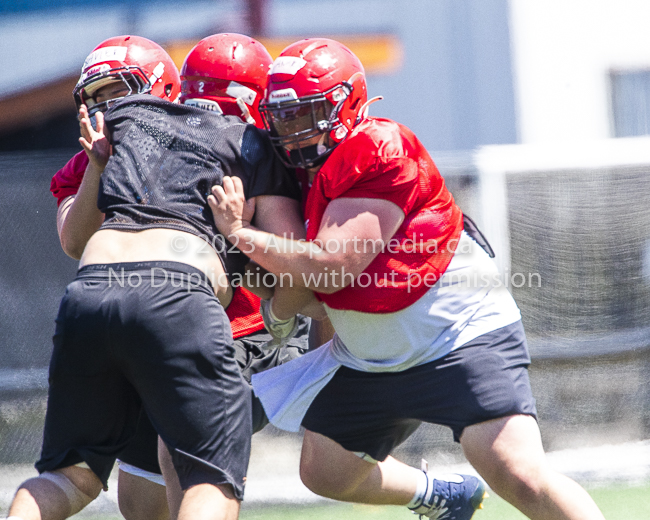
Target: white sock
420,491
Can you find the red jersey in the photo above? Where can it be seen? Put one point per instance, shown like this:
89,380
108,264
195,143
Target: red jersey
67,180
383,159
243,311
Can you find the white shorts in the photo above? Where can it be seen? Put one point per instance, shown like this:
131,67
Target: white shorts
148,475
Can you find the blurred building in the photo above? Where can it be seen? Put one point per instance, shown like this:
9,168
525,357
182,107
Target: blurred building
446,69
460,73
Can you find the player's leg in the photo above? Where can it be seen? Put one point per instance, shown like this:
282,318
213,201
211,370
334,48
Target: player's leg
172,484
209,501
140,487
141,498
251,358
192,389
508,454
92,411
204,500
385,482
352,426
55,495
331,471
500,436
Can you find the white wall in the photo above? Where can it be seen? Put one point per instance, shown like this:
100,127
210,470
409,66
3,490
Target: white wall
563,51
454,87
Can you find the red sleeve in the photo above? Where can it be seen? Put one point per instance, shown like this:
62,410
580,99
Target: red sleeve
67,180
378,161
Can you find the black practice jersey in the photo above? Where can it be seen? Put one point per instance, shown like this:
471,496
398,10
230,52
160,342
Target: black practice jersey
166,158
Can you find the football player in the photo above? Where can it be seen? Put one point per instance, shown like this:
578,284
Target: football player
226,73
166,344
424,331
116,68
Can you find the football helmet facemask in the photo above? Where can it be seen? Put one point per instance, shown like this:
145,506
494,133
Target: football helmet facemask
316,95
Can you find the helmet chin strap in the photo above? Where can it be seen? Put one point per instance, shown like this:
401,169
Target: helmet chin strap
320,146
246,113
363,111
310,156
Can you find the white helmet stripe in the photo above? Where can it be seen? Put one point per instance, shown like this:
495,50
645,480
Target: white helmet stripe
105,54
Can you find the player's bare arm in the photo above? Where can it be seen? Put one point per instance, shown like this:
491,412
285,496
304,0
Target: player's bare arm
281,216
78,217
344,240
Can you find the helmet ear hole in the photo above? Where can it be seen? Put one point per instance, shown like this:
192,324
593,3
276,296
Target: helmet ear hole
355,104
168,89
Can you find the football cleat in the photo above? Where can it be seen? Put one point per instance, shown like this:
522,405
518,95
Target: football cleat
451,497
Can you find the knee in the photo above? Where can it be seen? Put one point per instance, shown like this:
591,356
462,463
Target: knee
312,480
84,481
75,487
330,483
133,508
319,482
518,485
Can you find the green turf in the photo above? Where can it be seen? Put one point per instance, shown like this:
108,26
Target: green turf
616,503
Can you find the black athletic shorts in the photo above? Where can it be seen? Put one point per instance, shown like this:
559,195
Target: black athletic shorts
142,449
252,358
372,412
149,335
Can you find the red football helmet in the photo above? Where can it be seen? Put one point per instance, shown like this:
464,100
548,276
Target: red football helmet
142,65
317,87
227,73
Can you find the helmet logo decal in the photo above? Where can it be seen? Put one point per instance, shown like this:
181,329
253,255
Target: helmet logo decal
287,65
286,94
238,90
105,54
205,104
326,61
94,70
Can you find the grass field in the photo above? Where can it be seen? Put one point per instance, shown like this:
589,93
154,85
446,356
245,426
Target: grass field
617,503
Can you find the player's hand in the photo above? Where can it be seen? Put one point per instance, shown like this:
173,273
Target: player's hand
230,209
95,142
